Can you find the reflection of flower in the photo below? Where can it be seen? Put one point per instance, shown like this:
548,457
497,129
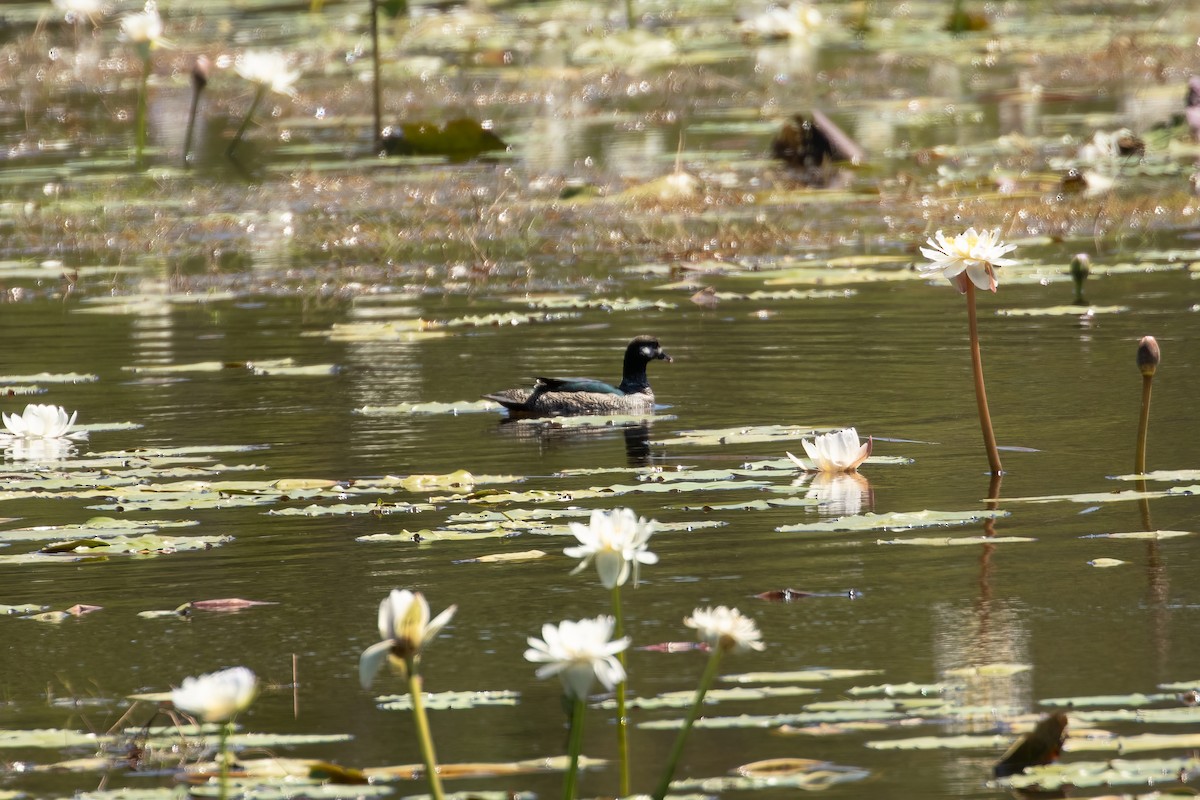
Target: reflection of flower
837,494
267,68
725,629
217,696
21,449
577,651
973,255
40,422
617,541
838,451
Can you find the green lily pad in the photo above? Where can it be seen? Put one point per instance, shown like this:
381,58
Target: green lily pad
685,698
818,777
799,676
351,509
1139,535
440,701
49,377
1117,700
955,541
143,545
744,435
899,689
997,741
1096,774
1161,475
457,407
1061,311
895,521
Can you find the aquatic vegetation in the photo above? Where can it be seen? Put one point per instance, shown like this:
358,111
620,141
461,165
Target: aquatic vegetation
835,452
405,628
218,697
725,630
579,652
144,30
617,541
1148,358
970,260
268,71
40,421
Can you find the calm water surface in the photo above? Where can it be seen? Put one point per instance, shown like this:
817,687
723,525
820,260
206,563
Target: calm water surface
892,361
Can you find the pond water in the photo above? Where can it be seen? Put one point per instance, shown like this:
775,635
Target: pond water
132,275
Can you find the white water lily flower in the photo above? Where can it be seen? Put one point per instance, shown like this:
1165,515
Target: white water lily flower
838,451
40,422
144,29
973,255
217,696
577,652
78,10
267,68
405,628
616,540
725,629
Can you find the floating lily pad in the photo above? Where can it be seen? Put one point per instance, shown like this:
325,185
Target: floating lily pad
1139,535
1095,774
955,541
895,521
1061,311
351,509
457,407
744,435
799,676
502,558
1162,475
815,776
49,377
439,701
143,545
684,699
997,670
458,139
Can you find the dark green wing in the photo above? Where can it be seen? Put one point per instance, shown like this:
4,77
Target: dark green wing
577,385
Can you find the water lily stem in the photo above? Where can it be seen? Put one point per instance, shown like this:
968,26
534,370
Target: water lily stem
574,746
191,125
377,91
259,93
1139,465
622,719
141,109
706,680
424,739
985,418
630,15
223,759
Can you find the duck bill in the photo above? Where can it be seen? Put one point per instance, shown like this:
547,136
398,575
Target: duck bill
664,357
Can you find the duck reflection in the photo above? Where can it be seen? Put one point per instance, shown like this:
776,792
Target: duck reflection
838,494
549,434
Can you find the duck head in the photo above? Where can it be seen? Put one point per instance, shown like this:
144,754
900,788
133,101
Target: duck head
646,349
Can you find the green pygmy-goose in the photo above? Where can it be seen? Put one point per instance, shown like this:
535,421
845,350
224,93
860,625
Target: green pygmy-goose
574,396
